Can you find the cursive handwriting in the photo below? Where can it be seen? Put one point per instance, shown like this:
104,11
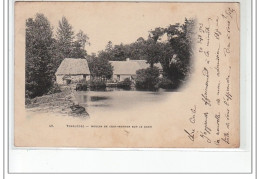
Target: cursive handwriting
226,137
217,116
228,96
205,98
210,120
206,128
192,119
217,58
190,134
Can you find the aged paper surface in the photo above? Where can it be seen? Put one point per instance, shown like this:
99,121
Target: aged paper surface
202,113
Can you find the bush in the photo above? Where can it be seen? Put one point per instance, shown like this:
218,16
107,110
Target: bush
54,89
27,97
81,87
165,83
97,84
147,79
27,101
126,84
83,81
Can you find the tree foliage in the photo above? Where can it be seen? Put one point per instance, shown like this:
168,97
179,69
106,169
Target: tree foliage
82,39
68,44
147,79
153,51
100,68
174,53
125,84
65,37
181,39
109,46
44,53
120,52
39,67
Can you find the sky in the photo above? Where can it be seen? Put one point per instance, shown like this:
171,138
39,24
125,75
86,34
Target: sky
119,22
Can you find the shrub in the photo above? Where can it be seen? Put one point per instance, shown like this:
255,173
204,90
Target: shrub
147,79
27,101
97,84
165,83
54,89
83,81
81,87
126,84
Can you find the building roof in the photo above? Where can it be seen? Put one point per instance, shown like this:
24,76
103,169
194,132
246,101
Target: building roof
73,66
144,65
130,67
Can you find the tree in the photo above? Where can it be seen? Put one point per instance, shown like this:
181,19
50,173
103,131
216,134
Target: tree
119,53
65,37
100,68
78,48
38,53
165,57
156,33
77,51
147,79
137,49
181,39
82,39
109,46
140,40
103,55
154,51
68,45
56,56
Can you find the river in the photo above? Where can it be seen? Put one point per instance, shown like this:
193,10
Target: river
117,100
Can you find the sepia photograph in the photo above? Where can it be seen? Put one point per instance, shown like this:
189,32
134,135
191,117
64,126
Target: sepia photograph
127,75
62,76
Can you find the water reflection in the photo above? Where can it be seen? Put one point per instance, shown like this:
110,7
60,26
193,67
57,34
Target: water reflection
82,97
98,98
101,105
96,101
85,98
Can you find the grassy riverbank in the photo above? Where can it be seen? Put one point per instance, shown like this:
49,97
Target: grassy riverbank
58,103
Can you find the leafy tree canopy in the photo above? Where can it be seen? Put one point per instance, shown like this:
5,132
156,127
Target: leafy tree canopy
100,68
38,51
44,53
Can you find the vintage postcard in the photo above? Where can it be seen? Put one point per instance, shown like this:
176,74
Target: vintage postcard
127,75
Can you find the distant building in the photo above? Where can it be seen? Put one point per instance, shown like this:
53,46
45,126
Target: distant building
128,68
72,70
